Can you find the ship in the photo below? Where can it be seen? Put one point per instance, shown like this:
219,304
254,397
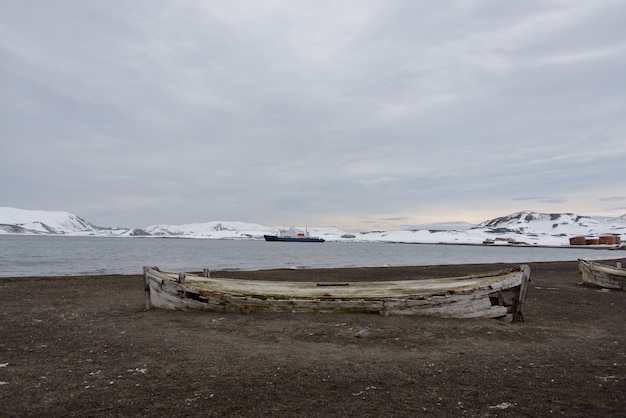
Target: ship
292,235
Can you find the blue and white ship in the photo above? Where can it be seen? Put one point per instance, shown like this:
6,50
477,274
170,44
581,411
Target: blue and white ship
293,235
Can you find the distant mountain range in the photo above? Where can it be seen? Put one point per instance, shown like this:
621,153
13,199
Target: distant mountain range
531,228
40,222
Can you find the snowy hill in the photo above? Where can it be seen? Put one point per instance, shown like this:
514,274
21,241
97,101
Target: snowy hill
228,230
556,228
532,222
41,222
213,230
531,228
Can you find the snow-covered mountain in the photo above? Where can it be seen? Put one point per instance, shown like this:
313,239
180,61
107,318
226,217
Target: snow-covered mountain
550,229
566,224
41,222
527,227
229,230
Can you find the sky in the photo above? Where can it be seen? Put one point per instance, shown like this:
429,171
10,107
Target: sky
359,114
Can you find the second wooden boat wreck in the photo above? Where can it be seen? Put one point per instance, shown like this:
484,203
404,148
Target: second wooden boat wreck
602,275
496,294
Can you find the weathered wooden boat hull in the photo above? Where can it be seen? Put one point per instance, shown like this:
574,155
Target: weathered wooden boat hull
602,275
493,295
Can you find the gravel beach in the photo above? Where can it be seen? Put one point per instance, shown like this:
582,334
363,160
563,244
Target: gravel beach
86,346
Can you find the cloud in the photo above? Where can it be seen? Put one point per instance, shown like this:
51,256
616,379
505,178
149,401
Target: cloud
544,199
270,112
613,198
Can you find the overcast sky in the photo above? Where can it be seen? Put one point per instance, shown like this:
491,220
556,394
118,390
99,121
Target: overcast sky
357,114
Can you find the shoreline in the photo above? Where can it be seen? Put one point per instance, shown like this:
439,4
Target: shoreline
311,271
620,246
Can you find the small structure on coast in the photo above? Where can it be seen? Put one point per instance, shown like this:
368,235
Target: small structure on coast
599,240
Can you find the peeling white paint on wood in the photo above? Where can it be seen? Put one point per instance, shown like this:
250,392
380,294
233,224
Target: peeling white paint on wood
492,294
602,275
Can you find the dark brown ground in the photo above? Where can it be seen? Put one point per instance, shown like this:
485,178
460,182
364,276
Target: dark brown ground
85,346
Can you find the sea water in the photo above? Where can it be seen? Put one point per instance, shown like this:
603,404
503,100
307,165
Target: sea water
55,256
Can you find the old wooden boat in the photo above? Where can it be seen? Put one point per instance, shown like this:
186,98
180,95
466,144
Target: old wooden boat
495,294
603,275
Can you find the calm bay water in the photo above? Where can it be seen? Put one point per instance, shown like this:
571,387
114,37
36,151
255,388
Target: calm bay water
55,256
